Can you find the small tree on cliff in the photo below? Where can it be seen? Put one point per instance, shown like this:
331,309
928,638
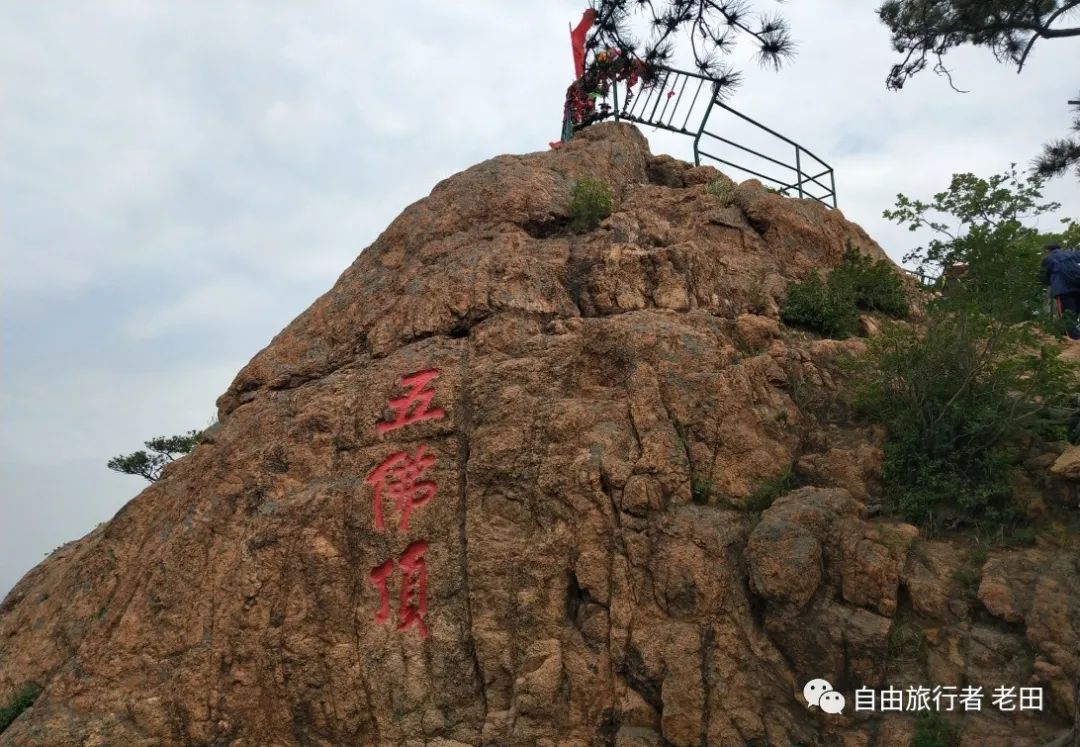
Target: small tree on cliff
978,381
159,452
984,227
924,31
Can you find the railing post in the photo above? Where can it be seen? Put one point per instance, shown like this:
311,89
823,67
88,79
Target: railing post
667,74
798,169
615,98
701,127
832,181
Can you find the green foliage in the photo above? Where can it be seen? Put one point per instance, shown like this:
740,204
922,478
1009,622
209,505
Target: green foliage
968,579
770,490
813,304
590,203
1020,536
1060,155
722,188
832,306
701,489
712,28
925,30
980,237
159,451
955,397
932,730
873,285
978,556
971,204
978,378
1069,237
19,702
906,643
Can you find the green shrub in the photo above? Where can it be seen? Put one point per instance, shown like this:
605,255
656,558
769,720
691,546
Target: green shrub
19,702
932,730
815,305
873,285
1020,536
590,203
962,395
984,240
831,307
956,398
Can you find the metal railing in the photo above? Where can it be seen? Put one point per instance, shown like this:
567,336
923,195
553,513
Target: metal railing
688,104
925,280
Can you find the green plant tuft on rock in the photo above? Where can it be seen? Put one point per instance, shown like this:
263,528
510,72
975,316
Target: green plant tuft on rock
770,490
701,489
590,203
872,285
19,702
906,644
967,578
722,188
932,730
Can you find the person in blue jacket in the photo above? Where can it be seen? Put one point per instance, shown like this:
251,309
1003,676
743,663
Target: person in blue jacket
1059,272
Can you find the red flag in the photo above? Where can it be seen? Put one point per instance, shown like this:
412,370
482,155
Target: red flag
577,40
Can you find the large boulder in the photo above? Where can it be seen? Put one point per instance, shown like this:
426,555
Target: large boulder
504,484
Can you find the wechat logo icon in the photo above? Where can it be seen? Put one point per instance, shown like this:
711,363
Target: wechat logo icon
819,693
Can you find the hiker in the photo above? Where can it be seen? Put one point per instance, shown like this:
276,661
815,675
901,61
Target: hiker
1061,272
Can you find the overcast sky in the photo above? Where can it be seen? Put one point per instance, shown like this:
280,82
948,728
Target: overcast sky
179,180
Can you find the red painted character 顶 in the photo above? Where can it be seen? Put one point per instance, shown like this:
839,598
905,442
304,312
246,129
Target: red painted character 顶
412,603
415,406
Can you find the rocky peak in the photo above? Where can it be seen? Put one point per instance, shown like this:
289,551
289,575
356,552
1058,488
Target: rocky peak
505,484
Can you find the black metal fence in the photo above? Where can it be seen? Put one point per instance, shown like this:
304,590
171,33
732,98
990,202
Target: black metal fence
924,280
688,104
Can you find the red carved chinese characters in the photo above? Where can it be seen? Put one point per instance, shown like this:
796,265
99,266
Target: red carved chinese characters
405,411
399,479
412,604
379,574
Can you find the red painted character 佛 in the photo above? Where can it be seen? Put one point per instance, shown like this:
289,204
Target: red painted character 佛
398,479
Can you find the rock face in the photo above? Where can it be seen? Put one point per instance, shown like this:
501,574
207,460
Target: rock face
506,485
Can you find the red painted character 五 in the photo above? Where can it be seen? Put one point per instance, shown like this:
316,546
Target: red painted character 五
412,602
415,406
